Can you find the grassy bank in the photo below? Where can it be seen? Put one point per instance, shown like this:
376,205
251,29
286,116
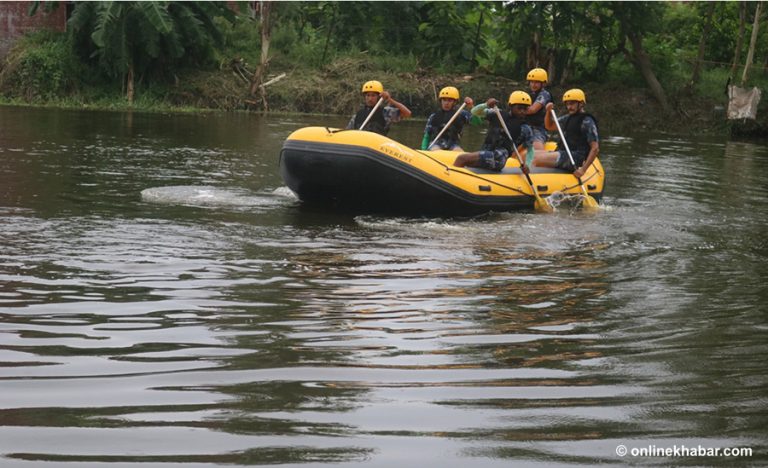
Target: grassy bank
42,72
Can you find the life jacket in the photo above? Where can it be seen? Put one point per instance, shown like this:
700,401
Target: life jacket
577,141
377,123
496,137
537,119
440,119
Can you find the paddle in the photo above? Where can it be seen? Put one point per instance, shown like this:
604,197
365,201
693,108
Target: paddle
540,204
447,125
381,99
589,201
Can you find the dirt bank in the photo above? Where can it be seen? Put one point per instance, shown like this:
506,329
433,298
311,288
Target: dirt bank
335,89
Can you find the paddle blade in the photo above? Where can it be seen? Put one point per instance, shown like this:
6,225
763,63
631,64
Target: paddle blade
542,206
589,203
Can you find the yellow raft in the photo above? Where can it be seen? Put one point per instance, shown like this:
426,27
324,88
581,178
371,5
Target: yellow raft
368,172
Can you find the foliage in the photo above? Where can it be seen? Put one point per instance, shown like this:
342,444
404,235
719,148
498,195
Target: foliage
153,37
576,41
40,67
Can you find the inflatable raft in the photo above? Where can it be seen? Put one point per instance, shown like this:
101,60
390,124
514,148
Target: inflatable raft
368,172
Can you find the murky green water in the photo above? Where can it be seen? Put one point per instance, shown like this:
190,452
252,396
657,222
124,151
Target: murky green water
165,301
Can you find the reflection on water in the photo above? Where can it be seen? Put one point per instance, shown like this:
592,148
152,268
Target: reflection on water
164,299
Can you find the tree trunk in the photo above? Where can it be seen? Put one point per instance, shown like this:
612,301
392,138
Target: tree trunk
642,62
129,84
702,43
551,66
568,66
477,40
330,32
533,51
740,38
261,71
752,42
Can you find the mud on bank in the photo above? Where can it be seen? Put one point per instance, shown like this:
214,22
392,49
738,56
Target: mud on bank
335,89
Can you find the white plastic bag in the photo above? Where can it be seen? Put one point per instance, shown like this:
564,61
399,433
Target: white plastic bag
742,102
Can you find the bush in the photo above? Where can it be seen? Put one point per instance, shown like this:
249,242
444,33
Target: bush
41,66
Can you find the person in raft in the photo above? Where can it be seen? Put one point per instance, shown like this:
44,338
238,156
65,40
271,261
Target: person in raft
580,129
497,146
537,80
384,116
436,124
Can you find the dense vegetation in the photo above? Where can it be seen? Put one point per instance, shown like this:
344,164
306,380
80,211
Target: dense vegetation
671,56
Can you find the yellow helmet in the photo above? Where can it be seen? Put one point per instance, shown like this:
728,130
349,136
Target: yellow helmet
373,87
519,97
449,92
537,74
575,94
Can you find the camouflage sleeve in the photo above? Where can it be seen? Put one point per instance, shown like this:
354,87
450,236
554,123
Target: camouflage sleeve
544,97
391,115
428,127
527,136
589,129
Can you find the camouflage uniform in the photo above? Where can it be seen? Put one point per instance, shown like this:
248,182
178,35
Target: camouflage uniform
588,129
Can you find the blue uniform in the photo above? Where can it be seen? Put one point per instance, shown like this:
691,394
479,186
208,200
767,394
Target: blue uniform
449,139
536,121
378,123
497,147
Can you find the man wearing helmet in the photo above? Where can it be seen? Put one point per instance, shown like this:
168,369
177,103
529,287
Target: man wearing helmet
537,79
580,129
497,146
449,137
383,117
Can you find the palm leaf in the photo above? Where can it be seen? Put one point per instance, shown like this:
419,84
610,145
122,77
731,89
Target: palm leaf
206,11
106,15
82,15
157,15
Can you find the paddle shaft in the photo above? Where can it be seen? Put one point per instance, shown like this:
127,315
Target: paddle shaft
456,114
567,149
514,147
381,99
540,204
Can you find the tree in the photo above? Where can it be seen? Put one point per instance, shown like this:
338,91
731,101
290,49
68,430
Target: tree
635,20
265,22
449,45
702,42
740,39
752,42
134,37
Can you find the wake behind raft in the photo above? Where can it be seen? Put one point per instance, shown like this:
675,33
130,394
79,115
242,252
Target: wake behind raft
370,173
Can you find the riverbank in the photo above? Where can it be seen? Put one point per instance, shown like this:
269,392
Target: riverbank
335,90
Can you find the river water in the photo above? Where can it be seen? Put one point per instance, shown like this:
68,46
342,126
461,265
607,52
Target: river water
166,301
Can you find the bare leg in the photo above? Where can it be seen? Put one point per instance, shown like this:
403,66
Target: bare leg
437,147
467,159
545,158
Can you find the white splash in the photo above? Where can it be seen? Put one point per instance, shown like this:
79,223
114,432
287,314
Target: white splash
209,196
